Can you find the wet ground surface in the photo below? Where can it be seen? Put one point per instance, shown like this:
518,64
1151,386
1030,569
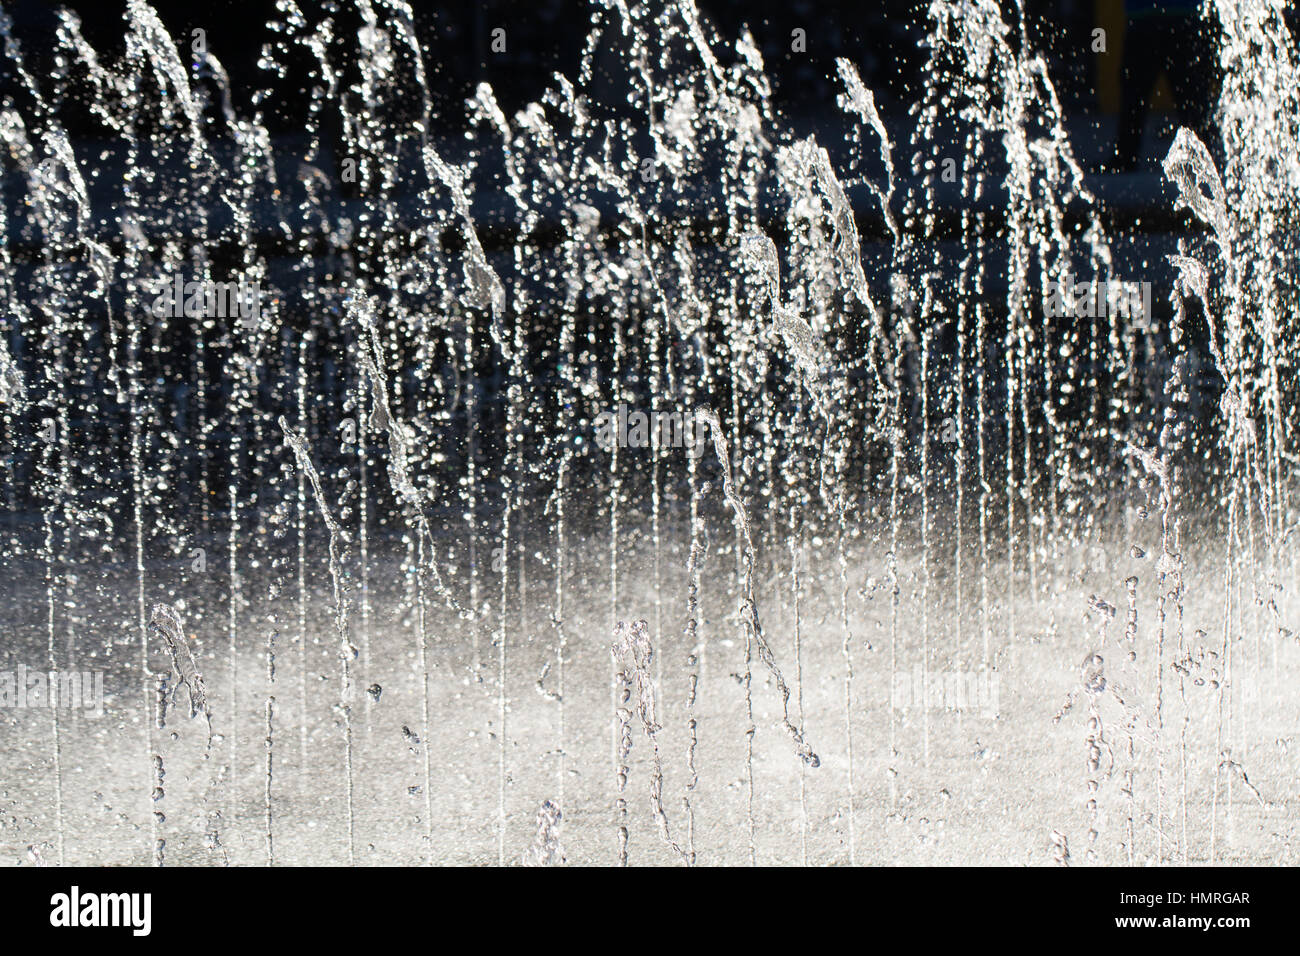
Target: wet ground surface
986,783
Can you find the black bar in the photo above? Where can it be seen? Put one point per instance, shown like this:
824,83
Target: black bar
383,906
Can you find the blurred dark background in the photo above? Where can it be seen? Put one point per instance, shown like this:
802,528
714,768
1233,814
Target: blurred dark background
545,36
1152,66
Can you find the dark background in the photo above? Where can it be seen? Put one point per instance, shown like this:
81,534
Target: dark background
544,36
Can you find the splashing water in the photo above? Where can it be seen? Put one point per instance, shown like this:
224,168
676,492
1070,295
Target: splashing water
641,352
